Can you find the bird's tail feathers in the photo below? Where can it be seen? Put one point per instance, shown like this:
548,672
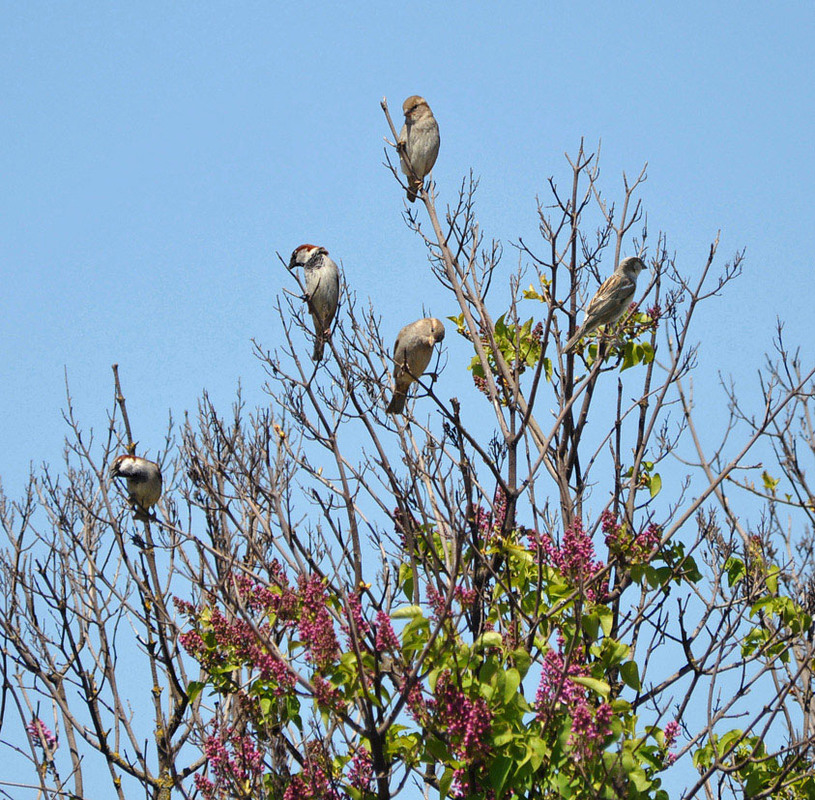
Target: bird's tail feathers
578,335
414,187
319,344
397,403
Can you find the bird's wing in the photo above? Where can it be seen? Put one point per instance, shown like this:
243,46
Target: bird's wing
420,356
398,357
615,293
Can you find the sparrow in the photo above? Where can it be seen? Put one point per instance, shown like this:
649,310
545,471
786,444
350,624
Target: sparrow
611,300
143,481
419,143
411,355
322,290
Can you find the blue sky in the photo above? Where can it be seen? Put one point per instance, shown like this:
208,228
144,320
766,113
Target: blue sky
154,157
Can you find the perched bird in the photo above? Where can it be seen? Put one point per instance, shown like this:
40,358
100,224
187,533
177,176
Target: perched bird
143,481
419,142
612,299
322,290
411,355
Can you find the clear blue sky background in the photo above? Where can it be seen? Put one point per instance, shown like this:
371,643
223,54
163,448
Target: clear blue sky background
154,157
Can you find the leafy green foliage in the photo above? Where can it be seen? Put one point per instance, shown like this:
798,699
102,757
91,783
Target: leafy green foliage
534,707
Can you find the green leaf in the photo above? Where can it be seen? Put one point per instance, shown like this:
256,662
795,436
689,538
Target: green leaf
293,712
691,571
498,773
769,482
476,368
655,484
630,673
591,625
537,751
639,779
596,685
768,604
728,742
772,579
631,356
406,580
547,369
522,659
489,639
500,739
459,322
194,689
513,681
613,652
606,617
735,569
436,748
703,757
444,783
407,612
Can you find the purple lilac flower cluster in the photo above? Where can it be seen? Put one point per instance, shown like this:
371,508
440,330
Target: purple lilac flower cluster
326,694
416,704
466,720
670,734
311,784
466,597
490,523
468,724
41,735
233,760
244,642
361,770
354,612
315,625
277,597
386,638
590,729
574,558
590,725
555,686
238,640
631,549
436,600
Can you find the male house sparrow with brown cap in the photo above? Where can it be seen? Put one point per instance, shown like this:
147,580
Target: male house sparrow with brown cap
611,300
322,279
411,355
420,143
143,481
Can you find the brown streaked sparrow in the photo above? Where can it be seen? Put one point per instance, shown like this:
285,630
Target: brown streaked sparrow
322,279
611,300
411,355
419,143
143,481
